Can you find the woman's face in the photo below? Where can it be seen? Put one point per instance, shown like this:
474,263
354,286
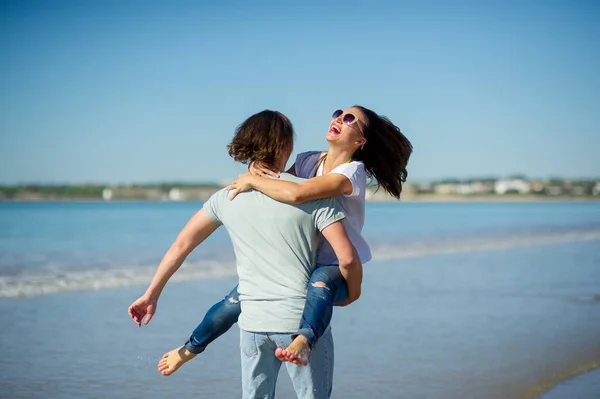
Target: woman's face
346,129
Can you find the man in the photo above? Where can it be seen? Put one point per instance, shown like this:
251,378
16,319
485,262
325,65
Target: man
274,245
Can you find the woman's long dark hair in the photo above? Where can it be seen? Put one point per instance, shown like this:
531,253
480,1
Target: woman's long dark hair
386,153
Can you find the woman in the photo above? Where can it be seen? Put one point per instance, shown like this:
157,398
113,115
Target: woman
361,144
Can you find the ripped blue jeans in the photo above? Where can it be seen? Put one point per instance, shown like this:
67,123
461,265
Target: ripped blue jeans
325,288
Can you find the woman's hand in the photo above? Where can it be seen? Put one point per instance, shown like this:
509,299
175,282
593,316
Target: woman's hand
258,169
241,184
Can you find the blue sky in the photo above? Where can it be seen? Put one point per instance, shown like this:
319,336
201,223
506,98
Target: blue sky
144,91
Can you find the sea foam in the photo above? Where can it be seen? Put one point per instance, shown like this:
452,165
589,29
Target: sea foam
57,281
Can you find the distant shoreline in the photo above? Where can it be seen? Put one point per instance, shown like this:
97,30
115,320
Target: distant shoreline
498,198
376,198
473,190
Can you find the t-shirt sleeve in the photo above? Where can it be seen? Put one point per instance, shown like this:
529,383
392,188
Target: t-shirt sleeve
355,172
214,205
305,163
329,212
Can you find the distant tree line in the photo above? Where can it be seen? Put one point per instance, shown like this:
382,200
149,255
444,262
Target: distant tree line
84,191
43,191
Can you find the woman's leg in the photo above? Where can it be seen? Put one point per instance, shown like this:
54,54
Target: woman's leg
326,287
217,321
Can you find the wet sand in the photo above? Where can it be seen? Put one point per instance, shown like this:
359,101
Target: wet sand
583,386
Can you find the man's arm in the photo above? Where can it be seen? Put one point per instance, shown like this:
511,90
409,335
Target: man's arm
350,264
198,228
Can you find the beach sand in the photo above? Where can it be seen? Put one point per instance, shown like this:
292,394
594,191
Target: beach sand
488,324
583,386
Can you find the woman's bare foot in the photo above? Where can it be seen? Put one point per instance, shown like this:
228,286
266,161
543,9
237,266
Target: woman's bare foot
297,352
171,361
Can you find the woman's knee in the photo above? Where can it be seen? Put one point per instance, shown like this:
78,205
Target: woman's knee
233,297
326,276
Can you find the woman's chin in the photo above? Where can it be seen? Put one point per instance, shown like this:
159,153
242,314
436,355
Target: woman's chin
331,137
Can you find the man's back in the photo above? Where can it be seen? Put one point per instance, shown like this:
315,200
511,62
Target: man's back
275,246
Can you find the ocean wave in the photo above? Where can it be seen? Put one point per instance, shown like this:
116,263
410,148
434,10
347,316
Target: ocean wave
56,281
481,244
45,283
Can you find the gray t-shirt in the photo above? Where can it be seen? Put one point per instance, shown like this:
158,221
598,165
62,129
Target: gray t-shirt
274,245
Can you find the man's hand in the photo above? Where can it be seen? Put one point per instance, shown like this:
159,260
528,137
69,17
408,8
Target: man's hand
144,306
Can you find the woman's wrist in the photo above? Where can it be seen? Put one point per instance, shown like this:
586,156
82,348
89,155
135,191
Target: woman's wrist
253,180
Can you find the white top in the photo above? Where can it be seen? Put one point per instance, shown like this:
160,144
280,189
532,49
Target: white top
353,204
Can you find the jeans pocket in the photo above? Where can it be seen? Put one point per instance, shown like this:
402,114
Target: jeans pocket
249,347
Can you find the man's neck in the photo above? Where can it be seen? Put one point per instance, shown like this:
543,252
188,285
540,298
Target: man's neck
275,167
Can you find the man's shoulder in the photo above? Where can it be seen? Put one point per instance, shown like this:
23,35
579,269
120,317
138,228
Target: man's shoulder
213,206
219,195
292,178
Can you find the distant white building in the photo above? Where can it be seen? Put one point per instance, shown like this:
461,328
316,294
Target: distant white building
444,188
513,185
107,194
578,190
175,194
554,190
464,188
596,189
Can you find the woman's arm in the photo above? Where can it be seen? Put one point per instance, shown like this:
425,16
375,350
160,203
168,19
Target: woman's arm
293,193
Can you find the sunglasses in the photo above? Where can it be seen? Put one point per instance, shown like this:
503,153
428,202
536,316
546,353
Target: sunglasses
348,119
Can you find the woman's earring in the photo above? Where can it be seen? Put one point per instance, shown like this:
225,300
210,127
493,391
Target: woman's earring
362,147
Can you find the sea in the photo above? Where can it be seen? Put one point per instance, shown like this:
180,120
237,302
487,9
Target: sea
461,300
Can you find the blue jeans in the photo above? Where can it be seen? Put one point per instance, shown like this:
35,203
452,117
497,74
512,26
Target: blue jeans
260,367
318,310
325,288
217,321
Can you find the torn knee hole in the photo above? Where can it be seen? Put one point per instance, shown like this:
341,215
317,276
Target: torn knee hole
232,300
319,284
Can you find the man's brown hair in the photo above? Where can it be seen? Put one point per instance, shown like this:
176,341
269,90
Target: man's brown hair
264,137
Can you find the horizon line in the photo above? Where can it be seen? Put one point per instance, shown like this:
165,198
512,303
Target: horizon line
221,182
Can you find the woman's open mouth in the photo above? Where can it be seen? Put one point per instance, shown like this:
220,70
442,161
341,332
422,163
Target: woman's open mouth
334,130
